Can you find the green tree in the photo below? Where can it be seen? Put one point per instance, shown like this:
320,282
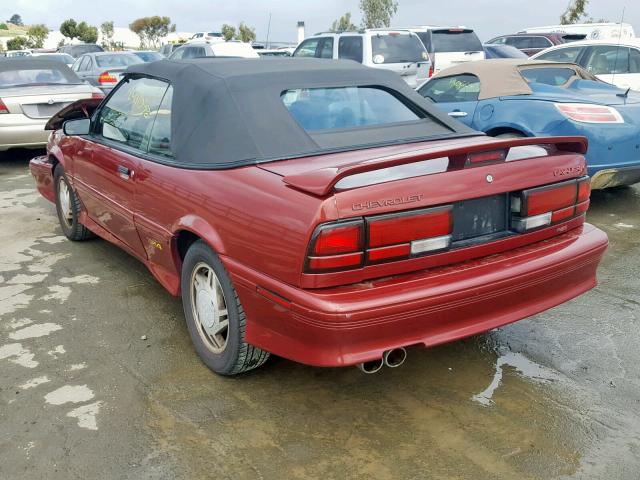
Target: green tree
16,20
4,26
151,30
36,35
343,24
246,33
17,43
87,33
377,13
228,31
69,28
575,12
107,35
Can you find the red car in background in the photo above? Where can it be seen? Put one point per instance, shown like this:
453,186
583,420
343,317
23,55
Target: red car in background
532,43
320,210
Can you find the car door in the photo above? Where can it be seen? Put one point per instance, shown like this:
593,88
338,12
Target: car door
81,68
105,174
456,95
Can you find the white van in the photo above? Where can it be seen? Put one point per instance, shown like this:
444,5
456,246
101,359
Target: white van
593,31
449,46
400,51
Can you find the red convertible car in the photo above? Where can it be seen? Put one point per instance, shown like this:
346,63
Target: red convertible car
320,210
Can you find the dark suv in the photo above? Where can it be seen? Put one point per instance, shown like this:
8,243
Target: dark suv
76,50
532,43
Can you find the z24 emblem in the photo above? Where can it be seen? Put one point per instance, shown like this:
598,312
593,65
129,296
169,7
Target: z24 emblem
561,172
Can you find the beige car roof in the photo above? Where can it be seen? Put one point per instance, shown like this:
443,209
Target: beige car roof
501,77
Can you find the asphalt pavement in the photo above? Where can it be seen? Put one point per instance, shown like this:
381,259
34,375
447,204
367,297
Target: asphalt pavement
98,378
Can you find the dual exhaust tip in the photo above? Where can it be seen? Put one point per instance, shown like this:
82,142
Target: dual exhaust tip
391,358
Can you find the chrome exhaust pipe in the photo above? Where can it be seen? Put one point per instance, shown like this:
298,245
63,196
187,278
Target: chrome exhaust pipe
395,357
371,366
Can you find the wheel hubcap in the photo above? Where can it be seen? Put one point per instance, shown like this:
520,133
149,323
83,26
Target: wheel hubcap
64,197
209,308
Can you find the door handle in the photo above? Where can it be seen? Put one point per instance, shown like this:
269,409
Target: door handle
124,172
458,114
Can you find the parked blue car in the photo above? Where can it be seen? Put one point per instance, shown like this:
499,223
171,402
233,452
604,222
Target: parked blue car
523,98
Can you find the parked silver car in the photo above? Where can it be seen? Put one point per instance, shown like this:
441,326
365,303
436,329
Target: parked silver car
32,90
103,69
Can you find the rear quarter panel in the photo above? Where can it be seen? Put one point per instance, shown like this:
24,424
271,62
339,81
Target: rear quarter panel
247,214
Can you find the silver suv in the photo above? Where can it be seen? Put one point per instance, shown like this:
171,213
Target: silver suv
400,51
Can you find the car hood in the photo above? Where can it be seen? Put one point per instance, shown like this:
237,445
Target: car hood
585,91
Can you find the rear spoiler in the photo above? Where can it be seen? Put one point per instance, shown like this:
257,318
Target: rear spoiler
321,182
79,109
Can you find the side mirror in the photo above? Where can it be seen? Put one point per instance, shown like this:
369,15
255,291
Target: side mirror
79,126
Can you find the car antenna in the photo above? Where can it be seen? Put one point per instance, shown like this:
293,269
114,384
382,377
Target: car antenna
625,94
615,61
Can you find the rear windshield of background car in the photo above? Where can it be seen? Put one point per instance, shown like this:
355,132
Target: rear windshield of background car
111,61
397,48
555,77
37,76
82,49
455,40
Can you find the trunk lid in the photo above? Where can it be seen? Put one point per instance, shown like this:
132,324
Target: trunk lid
41,102
476,181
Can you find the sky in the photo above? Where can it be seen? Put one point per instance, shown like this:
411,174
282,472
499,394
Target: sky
488,17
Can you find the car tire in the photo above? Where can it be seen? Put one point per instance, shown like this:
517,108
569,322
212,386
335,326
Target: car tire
208,300
510,135
68,207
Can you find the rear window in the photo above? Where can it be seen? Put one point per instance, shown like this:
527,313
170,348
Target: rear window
149,56
555,77
82,49
346,107
459,88
455,40
109,61
37,76
397,48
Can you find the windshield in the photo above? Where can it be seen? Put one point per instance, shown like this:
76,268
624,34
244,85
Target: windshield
397,48
455,40
37,76
107,61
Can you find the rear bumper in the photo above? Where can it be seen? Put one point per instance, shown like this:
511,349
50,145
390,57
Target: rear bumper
20,131
615,177
42,171
348,325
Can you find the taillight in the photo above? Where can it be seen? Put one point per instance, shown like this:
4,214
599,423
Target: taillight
342,245
497,156
587,113
97,94
431,70
3,107
106,77
338,238
542,206
336,246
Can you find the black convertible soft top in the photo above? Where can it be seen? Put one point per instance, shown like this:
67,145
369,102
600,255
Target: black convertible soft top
229,112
